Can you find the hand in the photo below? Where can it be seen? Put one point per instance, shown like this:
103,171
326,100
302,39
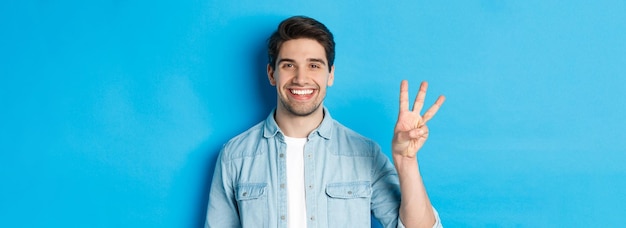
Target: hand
411,131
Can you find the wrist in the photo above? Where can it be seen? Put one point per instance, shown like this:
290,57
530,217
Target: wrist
403,162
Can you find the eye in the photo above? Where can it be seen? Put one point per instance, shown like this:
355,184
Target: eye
288,65
315,66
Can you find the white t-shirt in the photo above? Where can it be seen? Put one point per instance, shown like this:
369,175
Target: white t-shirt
296,199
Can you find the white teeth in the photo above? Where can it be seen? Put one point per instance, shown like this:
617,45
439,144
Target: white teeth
302,91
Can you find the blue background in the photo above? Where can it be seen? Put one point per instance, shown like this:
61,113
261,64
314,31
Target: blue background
112,112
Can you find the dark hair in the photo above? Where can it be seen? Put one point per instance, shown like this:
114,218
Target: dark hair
301,27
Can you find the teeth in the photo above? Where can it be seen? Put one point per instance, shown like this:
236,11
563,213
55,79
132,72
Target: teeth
302,91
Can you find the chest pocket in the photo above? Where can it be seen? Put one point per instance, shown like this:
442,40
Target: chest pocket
252,204
250,191
349,190
349,204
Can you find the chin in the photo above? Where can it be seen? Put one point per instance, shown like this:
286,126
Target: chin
302,111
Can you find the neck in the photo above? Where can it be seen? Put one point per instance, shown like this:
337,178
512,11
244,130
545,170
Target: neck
298,126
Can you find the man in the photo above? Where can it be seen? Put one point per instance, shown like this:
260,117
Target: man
301,168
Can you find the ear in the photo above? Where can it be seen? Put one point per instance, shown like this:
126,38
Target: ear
331,76
270,75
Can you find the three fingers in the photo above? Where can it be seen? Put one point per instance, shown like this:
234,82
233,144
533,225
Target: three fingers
418,104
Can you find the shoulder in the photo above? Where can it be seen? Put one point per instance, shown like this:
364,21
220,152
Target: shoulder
244,144
353,143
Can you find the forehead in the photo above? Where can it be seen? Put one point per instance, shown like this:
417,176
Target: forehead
302,48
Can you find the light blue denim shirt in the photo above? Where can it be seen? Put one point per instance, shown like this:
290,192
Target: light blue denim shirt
347,180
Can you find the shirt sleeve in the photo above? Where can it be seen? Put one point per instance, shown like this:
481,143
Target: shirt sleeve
436,225
222,209
386,195
385,200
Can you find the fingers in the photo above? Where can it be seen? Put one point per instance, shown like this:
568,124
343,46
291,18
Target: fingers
430,113
404,95
420,132
418,104
414,134
421,95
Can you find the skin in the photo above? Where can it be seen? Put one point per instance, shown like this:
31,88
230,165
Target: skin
301,65
410,134
301,77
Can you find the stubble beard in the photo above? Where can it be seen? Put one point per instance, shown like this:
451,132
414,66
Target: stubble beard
305,110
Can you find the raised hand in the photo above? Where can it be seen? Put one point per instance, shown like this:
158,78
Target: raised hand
411,131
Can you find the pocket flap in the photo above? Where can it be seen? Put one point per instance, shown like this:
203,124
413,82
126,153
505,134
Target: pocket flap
349,190
248,191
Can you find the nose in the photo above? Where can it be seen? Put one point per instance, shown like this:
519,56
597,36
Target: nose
300,77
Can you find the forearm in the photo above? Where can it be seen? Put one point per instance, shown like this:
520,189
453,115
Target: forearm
415,208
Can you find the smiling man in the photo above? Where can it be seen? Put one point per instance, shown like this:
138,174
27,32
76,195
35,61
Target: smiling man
300,75
301,168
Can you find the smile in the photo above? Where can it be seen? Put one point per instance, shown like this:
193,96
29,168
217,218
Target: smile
301,91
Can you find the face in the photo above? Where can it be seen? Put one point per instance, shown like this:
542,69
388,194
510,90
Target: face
301,76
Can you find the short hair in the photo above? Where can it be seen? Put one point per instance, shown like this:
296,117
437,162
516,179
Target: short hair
301,27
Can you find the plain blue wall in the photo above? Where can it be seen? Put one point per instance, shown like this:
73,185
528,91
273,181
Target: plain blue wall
112,112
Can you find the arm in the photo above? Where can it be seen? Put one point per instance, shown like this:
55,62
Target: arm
410,133
222,208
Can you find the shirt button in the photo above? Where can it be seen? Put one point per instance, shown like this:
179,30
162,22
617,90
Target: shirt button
282,185
310,186
282,217
281,155
245,194
349,192
312,218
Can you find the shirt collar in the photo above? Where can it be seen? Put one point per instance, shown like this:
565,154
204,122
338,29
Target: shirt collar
271,128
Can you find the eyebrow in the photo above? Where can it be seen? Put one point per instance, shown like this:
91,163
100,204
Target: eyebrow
321,61
286,60
317,60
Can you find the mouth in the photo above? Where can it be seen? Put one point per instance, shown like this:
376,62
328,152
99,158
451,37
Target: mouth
301,94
